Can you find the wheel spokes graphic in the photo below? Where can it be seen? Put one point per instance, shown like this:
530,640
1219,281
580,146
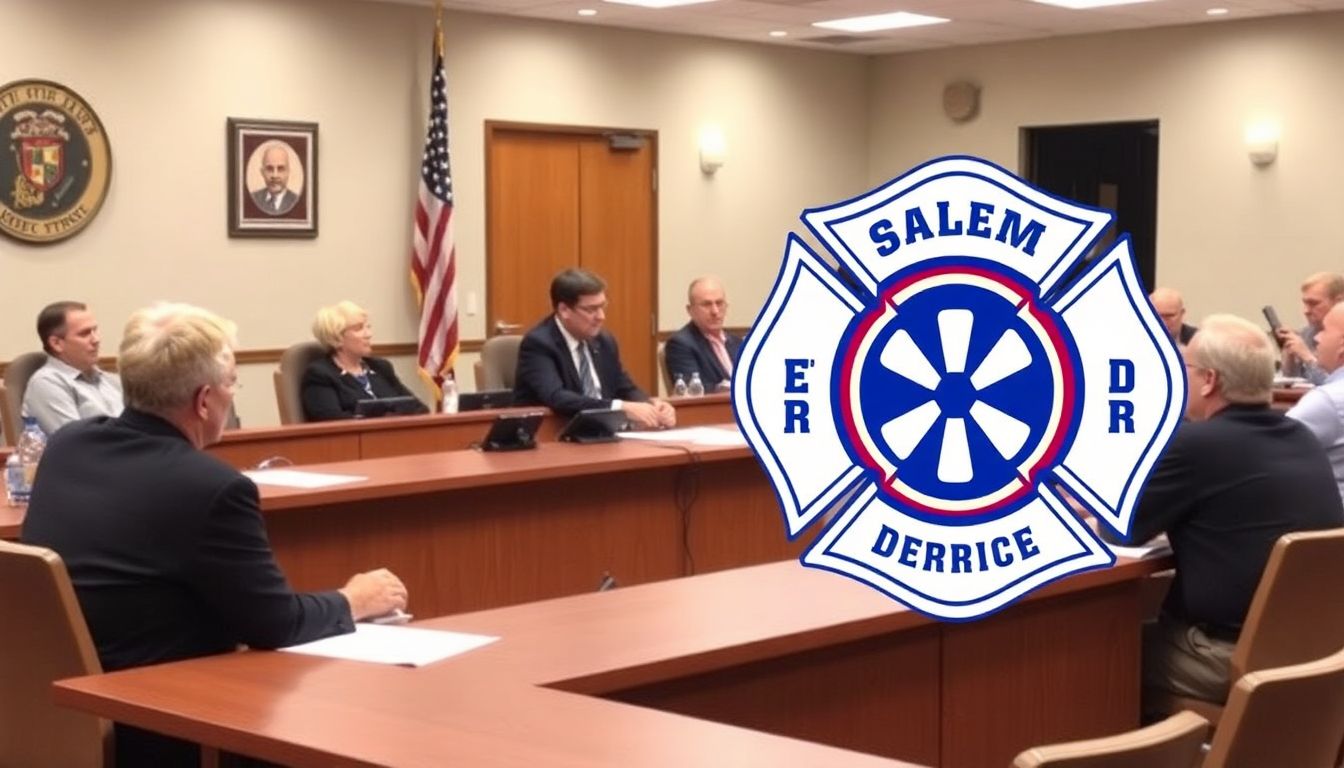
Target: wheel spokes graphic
1006,433
903,434
1008,356
954,330
954,459
903,357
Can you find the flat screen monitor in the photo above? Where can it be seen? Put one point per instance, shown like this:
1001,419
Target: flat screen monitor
388,406
597,425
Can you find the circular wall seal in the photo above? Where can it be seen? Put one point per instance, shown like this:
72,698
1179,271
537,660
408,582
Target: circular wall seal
56,165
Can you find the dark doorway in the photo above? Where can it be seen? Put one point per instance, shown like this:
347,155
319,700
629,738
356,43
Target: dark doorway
1110,165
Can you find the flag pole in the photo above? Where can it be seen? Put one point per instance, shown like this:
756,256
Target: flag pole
438,28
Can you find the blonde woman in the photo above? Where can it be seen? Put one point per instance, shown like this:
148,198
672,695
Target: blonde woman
333,384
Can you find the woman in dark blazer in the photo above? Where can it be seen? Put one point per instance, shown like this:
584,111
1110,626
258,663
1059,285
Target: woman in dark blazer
348,373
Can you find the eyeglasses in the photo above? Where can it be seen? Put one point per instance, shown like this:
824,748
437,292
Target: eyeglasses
719,304
591,309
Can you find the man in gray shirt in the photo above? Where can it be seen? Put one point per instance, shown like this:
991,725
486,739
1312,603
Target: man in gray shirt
1322,408
70,386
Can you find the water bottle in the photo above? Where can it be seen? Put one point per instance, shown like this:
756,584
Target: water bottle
15,491
697,387
679,387
450,396
21,467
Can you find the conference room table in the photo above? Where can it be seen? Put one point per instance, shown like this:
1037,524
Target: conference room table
771,665
351,439
467,530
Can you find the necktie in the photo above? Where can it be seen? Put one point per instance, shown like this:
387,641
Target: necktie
586,373
721,352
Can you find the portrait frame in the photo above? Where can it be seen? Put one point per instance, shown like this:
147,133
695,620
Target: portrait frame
272,178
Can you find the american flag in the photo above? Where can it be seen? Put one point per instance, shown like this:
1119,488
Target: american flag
433,253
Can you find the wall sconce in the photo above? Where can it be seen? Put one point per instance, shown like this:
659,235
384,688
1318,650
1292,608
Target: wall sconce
713,149
1262,142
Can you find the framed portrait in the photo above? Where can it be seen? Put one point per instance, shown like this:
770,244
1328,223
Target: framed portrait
272,178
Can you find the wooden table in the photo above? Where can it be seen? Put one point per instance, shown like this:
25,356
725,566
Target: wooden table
775,649
468,530
402,435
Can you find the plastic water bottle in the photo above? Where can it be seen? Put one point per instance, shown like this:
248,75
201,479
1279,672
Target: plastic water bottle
21,467
15,491
679,387
450,396
697,387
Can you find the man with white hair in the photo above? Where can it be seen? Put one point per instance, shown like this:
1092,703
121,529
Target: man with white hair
1236,477
1322,408
164,543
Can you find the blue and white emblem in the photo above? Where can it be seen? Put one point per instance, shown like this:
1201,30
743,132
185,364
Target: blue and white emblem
927,405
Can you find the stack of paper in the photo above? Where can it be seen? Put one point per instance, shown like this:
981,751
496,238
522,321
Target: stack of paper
382,644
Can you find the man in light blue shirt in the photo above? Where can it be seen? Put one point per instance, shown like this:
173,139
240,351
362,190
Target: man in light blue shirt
1320,292
1322,408
70,386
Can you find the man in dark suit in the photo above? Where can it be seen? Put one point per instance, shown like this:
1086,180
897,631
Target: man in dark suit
164,543
276,198
1236,477
568,363
1171,308
702,346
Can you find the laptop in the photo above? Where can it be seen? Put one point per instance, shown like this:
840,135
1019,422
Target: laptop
513,433
597,425
486,400
387,406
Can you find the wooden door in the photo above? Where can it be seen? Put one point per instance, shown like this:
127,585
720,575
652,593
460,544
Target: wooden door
565,197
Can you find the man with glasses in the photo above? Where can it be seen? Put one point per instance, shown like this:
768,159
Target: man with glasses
70,385
702,346
1236,476
569,364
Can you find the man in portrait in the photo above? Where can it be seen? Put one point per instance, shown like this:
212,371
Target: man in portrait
276,198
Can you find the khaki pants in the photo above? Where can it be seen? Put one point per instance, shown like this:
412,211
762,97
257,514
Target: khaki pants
1179,658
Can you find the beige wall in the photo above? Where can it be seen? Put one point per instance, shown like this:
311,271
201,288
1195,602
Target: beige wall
165,74
1231,236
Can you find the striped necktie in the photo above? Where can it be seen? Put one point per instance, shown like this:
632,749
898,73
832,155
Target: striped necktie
586,373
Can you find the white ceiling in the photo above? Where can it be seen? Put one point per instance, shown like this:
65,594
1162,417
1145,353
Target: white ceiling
973,22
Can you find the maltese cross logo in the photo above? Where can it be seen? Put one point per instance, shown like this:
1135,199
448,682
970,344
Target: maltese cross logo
929,403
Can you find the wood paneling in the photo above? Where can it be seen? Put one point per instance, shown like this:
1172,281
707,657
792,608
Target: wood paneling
617,241
532,221
776,648
851,695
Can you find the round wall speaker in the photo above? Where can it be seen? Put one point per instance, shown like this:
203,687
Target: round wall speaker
961,100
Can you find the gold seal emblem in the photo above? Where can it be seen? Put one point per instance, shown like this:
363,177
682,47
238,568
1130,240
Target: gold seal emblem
57,164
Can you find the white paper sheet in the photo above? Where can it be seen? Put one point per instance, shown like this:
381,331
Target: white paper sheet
697,435
1156,547
294,478
384,644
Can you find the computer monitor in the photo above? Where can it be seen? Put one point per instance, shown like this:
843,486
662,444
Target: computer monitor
513,433
597,425
387,406
485,400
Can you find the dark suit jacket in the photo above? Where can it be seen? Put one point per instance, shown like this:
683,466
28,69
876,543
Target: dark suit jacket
165,546
328,393
546,374
287,200
168,555
688,352
1224,491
